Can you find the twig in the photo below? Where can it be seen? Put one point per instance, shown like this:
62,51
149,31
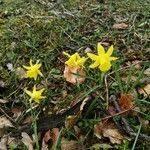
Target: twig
7,116
128,129
117,114
107,96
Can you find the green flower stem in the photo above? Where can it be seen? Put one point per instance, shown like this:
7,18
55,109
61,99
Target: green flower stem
34,126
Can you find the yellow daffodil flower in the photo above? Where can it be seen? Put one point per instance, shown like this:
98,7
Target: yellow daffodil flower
35,95
103,59
75,60
33,70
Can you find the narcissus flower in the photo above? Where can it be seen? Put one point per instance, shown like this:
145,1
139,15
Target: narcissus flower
75,60
35,95
74,71
33,70
103,59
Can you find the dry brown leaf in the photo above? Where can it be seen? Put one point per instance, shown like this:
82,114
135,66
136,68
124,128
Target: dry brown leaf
64,93
125,101
3,143
55,134
111,110
84,102
147,72
98,130
107,44
88,50
44,146
47,136
3,101
21,73
145,90
125,79
2,84
74,74
7,140
71,145
4,122
27,141
12,141
17,111
135,63
109,130
120,25
78,131
114,135
71,120
28,120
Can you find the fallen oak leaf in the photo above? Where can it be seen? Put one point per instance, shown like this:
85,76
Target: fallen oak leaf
147,72
3,101
28,120
114,135
4,122
27,141
101,146
71,120
55,134
47,136
17,111
145,90
71,145
125,101
50,135
74,74
44,145
109,130
3,143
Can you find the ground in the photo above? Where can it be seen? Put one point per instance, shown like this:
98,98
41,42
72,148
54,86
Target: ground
43,29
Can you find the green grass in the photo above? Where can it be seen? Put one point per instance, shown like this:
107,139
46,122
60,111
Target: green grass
42,31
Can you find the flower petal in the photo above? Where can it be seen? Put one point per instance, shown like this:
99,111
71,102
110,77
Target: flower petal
75,60
110,50
105,66
26,67
31,62
92,56
77,56
70,62
81,61
65,53
100,49
38,65
34,89
35,77
112,58
40,73
41,91
95,64
28,92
